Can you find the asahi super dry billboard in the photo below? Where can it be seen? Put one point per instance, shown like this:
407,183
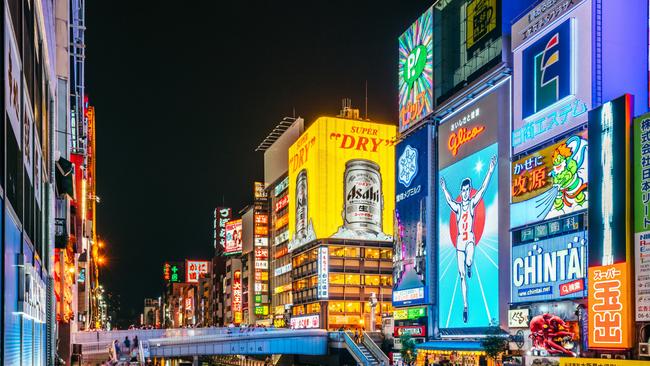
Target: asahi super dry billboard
341,175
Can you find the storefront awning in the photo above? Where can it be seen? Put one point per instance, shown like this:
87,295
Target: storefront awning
65,178
451,346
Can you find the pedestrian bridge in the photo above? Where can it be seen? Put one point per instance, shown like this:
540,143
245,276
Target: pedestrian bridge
173,343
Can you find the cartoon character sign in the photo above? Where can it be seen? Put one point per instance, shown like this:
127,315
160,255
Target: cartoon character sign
550,182
468,221
552,334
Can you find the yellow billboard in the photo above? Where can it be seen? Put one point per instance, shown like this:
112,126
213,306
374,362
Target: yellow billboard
342,182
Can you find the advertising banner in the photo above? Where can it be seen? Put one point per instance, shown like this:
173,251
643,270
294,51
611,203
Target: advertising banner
413,330
551,94
416,71
411,219
641,206
280,187
610,325
474,126
468,215
233,237
195,269
609,165
237,296
467,40
221,216
518,318
305,322
554,330
341,175
550,269
13,85
550,182
323,273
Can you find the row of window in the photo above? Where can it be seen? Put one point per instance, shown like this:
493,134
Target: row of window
342,307
342,252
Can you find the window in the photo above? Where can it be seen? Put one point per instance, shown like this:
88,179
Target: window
337,251
352,252
313,281
386,280
337,279
344,252
386,254
372,253
298,310
352,279
353,307
313,308
371,280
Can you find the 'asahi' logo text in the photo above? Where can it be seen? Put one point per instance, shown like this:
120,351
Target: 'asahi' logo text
358,193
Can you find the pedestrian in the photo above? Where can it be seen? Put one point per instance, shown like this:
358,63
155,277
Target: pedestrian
116,345
127,344
426,361
356,336
136,342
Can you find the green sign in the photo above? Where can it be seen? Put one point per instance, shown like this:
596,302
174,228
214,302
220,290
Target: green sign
642,173
258,299
414,64
416,313
262,310
174,276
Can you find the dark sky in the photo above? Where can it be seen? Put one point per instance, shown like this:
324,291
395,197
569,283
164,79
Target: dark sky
185,91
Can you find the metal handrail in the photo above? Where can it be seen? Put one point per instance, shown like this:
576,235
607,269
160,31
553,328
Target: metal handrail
355,351
374,349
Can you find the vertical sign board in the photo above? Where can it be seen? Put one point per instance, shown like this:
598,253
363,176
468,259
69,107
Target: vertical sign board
237,297
412,217
468,211
323,273
416,71
642,216
610,303
221,216
551,93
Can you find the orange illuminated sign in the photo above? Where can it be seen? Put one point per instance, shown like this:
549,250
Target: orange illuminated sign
609,307
261,230
463,136
281,221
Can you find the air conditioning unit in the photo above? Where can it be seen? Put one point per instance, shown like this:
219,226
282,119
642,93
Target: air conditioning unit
644,349
606,355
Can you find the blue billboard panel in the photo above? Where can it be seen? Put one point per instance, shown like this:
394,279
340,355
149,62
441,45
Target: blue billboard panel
468,221
550,269
411,219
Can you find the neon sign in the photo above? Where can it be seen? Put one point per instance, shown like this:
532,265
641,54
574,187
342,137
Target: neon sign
463,136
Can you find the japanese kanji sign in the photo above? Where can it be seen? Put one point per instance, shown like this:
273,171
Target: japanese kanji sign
195,269
642,215
609,307
221,216
550,182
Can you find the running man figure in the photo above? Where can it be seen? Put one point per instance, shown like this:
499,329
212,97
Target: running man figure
464,211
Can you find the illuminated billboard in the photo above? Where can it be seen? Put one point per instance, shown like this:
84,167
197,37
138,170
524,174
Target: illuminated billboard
412,218
609,167
474,126
554,330
233,237
341,175
642,215
195,270
416,71
467,42
237,297
550,269
610,298
221,216
468,215
550,182
551,93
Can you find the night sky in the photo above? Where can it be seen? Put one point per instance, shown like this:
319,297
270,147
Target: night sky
185,91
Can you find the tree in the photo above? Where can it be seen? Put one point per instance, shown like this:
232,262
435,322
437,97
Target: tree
408,348
494,343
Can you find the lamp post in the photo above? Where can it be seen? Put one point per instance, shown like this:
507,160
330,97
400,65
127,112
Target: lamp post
373,306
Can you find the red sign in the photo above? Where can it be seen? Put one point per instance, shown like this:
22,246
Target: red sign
166,272
237,296
413,330
195,269
261,253
463,136
572,287
281,203
261,219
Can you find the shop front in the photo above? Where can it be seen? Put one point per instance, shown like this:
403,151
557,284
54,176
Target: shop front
457,353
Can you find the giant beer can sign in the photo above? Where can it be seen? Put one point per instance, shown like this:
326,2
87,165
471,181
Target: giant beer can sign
340,170
363,202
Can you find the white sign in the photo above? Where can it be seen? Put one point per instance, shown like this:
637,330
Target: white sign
31,298
261,242
323,273
518,318
282,237
281,186
282,270
407,295
261,264
642,270
305,322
